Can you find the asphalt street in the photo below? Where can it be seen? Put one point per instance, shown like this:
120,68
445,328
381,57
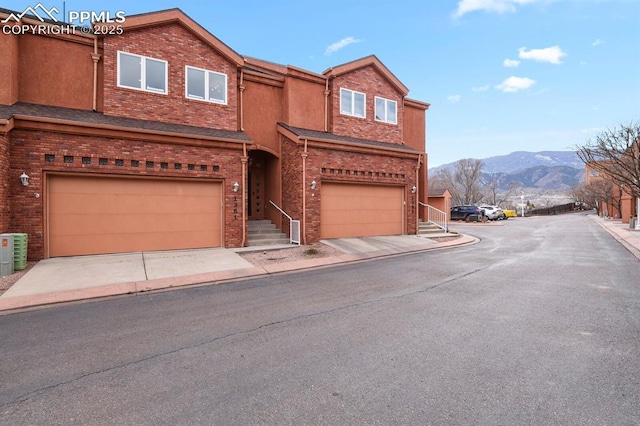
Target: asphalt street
539,323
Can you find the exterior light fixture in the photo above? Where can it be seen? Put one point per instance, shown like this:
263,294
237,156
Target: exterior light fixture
413,189
24,178
236,186
313,184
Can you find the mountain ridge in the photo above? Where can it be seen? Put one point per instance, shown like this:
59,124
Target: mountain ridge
518,161
543,172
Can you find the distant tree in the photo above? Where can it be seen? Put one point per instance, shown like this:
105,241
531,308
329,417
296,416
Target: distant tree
497,197
606,191
467,178
441,179
513,188
583,195
492,190
616,153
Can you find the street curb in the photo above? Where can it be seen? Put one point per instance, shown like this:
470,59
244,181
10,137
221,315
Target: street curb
633,250
14,304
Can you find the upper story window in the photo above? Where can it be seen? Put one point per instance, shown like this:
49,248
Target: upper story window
206,85
142,73
352,103
386,110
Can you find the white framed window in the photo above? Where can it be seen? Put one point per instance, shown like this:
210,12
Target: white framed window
386,110
205,85
142,73
352,103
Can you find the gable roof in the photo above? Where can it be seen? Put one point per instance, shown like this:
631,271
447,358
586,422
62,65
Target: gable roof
370,60
177,16
439,192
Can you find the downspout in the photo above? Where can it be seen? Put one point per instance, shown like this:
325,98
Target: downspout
241,87
304,194
95,56
326,105
243,160
418,191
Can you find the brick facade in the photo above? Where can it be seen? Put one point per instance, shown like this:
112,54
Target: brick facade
41,152
5,181
174,44
340,165
181,138
291,179
370,82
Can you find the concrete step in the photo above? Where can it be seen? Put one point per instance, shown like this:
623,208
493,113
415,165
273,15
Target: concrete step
260,224
430,231
438,235
267,236
267,242
426,228
264,233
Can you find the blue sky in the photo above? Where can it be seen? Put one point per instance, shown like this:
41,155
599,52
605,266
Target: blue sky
500,75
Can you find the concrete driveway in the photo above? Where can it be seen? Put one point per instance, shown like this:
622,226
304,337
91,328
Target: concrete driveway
81,272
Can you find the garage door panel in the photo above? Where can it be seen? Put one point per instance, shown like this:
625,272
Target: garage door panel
95,215
353,210
110,243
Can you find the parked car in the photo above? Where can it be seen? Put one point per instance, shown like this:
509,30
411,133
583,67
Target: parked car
466,212
493,212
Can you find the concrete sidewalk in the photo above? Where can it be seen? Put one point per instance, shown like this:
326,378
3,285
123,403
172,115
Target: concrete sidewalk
630,238
67,279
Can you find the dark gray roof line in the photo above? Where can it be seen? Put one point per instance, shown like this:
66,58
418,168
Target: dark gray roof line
315,134
98,118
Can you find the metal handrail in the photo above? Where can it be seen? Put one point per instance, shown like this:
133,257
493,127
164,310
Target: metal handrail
280,210
294,226
436,216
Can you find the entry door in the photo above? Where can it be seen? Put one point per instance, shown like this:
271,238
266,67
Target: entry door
255,198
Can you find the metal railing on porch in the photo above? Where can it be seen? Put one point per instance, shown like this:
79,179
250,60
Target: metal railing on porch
437,217
294,226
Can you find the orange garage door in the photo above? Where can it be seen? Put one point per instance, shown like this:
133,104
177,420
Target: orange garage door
96,215
350,210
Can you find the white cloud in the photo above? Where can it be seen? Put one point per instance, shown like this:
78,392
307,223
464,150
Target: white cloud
498,6
513,84
480,88
334,47
597,42
454,98
551,54
511,63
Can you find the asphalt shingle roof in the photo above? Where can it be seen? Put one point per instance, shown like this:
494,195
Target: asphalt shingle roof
91,117
314,134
